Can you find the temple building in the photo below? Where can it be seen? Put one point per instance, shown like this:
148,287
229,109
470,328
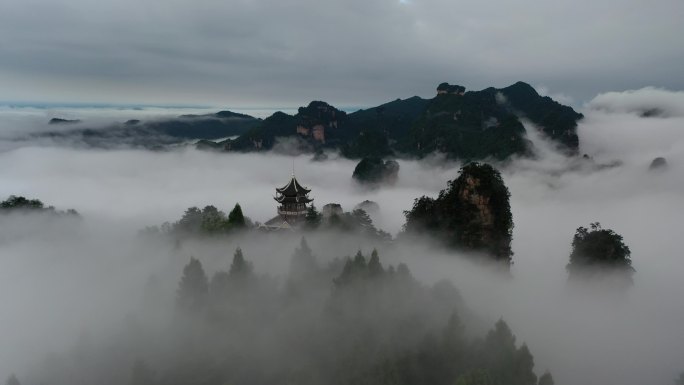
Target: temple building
293,199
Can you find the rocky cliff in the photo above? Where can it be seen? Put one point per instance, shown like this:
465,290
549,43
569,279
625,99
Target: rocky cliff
473,213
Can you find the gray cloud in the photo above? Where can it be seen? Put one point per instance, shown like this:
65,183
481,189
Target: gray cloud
347,52
658,102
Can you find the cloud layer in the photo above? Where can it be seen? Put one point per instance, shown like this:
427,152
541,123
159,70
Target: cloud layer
265,53
635,339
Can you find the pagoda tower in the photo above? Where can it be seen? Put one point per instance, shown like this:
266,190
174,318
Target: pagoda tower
293,198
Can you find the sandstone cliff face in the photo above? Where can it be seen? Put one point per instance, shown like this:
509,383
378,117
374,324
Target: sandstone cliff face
469,194
484,216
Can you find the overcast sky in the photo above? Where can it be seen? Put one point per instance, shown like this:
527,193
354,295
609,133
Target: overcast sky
347,52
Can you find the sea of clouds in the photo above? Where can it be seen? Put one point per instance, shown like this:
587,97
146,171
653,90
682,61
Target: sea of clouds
58,280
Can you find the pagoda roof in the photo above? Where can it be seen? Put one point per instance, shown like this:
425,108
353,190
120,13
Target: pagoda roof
293,199
277,223
293,188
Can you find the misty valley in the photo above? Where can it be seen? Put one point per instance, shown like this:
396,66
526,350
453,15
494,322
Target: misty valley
487,237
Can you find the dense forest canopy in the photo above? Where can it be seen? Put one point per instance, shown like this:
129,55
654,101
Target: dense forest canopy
351,321
597,251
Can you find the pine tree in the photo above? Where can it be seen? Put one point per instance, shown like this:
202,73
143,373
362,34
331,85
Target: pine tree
403,272
220,285
501,337
680,380
191,222
500,353
453,334
303,263
354,270
240,268
363,222
12,380
374,267
236,219
547,379
193,288
213,220
475,377
359,263
523,372
312,220
141,374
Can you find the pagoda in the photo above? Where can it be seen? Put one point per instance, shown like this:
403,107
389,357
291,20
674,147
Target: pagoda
293,198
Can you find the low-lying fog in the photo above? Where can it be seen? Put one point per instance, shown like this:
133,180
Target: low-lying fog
60,280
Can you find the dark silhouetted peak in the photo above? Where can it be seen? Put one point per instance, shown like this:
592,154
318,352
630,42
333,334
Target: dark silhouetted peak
319,110
446,88
600,254
316,121
370,207
557,122
63,121
231,114
331,209
375,171
132,122
315,104
221,115
658,163
278,116
652,113
520,90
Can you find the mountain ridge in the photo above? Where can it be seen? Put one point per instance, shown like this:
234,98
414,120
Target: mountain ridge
467,125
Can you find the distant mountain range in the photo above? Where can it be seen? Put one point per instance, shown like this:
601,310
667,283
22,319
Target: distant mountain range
154,134
461,124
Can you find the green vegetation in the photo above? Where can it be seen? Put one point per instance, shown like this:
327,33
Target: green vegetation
546,379
473,213
558,122
21,204
207,221
356,222
313,218
365,331
263,136
235,218
596,251
193,288
471,125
